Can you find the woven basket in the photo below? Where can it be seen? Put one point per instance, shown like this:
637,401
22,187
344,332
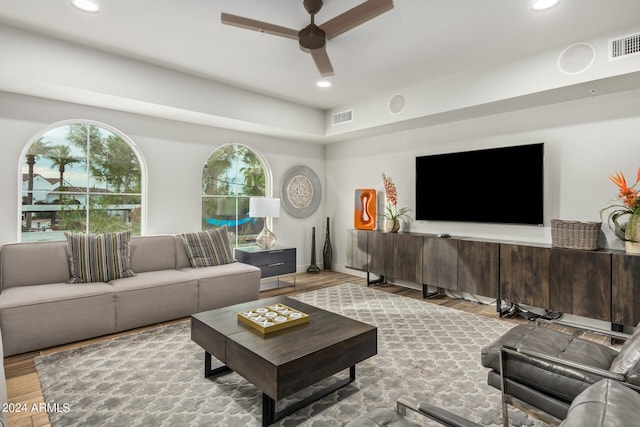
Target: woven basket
575,234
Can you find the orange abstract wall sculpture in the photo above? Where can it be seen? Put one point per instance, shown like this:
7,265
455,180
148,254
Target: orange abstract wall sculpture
364,214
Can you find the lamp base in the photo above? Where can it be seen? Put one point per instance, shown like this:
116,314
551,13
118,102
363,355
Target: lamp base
266,239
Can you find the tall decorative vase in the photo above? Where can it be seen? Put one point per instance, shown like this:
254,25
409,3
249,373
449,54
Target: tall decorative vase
632,232
327,251
313,267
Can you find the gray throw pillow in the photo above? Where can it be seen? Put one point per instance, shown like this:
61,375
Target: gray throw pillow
208,248
98,257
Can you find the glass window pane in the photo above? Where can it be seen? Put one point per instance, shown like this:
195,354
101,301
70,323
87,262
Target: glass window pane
113,165
218,176
252,174
70,215
248,228
218,211
39,222
108,213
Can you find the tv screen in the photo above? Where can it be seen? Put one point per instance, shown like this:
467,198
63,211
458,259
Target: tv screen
498,185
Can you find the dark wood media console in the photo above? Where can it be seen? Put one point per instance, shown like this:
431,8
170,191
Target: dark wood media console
602,284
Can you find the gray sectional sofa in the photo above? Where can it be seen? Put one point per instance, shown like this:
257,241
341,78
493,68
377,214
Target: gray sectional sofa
38,309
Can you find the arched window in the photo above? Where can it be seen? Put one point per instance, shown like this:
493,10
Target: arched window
233,173
80,177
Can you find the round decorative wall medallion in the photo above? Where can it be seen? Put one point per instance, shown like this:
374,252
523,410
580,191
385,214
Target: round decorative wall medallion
576,58
396,104
301,192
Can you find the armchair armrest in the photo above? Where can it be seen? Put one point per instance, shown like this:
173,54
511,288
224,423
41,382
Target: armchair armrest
610,334
603,373
442,416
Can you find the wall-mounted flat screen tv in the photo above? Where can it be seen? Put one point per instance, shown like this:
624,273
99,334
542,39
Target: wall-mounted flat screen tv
497,185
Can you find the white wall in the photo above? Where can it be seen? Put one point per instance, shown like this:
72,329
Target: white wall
585,142
174,153
531,81
43,66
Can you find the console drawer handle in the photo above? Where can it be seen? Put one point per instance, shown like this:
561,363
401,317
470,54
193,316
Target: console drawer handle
275,264
276,252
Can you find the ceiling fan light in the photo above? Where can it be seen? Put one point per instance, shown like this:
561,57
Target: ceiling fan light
323,83
91,6
538,5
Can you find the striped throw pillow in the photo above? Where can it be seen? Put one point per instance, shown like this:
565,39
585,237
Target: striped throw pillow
98,257
208,248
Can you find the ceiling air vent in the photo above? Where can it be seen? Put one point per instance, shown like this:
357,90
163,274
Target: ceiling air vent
624,46
341,117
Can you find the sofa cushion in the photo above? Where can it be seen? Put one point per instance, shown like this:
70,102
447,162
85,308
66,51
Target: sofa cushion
40,316
150,279
153,297
17,261
225,285
606,403
98,257
152,253
208,248
561,382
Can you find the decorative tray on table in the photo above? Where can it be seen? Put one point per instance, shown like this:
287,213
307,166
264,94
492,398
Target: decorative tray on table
273,318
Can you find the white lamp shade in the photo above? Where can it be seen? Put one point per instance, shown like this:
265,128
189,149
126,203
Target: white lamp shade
263,207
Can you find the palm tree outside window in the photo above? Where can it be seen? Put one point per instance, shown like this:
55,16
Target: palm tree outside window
80,177
232,174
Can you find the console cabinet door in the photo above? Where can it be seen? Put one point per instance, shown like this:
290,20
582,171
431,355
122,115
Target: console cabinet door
625,289
524,274
440,262
357,257
407,257
380,247
478,266
580,283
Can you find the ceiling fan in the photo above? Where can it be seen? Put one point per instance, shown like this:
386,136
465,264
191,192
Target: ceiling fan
312,38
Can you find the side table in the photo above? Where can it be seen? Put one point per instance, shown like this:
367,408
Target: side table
273,262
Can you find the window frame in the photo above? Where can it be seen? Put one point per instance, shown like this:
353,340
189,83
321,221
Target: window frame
268,190
132,145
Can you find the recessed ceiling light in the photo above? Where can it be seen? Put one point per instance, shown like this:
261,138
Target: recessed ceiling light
323,83
538,5
91,6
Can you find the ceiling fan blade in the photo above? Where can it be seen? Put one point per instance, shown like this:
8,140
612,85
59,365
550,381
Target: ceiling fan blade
322,61
356,16
262,27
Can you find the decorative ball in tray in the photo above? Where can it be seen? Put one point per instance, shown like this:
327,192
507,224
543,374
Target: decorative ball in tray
273,318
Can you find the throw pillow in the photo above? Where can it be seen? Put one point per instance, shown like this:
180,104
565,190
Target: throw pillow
208,248
98,257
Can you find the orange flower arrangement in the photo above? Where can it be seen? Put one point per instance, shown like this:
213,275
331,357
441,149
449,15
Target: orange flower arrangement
391,211
630,206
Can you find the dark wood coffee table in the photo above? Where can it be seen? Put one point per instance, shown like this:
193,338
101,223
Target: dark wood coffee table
284,362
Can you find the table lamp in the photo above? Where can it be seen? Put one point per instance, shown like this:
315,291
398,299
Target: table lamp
264,207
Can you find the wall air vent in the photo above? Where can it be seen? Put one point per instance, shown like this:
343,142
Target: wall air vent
342,117
625,46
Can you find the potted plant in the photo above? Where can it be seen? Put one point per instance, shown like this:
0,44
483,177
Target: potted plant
392,213
627,207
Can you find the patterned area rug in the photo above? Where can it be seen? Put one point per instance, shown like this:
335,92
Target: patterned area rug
155,377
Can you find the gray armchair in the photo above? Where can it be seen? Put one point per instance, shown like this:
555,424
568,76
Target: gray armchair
603,404
541,370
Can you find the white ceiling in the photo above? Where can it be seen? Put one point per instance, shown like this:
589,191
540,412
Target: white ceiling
416,41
